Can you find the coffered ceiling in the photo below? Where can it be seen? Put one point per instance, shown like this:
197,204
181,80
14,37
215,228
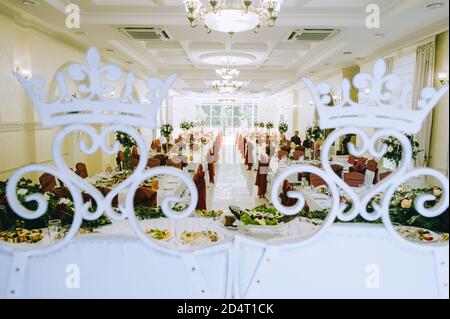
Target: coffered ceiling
269,61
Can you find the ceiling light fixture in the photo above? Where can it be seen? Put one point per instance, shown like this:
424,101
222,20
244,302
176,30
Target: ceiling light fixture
347,53
30,3
227,73
227,86
443,78
434,5
232,16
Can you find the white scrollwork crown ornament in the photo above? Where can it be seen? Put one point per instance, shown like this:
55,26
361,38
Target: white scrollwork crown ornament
96,103
390,115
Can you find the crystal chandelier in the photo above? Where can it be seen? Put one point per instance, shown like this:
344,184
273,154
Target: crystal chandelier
227,86
227,73
231,16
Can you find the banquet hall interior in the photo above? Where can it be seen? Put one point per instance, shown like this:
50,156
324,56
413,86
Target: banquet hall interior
239,133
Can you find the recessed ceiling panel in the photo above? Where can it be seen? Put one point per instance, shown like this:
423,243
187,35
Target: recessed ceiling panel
220,58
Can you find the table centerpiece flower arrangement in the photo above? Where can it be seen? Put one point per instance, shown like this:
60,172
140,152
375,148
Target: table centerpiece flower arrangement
269,126
394,151
261,125
283,127
401,210
165,130
127,143
58,208
315,134
187,125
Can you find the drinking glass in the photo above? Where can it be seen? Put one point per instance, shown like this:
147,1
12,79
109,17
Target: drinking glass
54,229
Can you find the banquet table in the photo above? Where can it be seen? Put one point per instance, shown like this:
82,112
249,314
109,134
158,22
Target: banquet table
298,229
168,186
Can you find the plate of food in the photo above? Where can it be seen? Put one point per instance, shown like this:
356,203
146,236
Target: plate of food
201,237
262,221
417,234
209,213
22,235
159,234
261,215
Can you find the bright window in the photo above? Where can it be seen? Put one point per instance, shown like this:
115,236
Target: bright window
227,116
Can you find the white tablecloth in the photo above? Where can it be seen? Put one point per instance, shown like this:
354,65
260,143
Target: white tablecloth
168,186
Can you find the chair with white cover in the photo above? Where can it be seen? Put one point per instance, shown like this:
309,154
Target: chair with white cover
326,267
115,267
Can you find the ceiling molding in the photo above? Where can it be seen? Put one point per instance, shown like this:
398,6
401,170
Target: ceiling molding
411,40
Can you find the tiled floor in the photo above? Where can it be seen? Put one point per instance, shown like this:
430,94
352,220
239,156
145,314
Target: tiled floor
234,184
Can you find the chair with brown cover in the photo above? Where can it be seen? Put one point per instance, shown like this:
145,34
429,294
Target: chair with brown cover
372,166
316,180
134,162
351,159
162,158
261,175
145,196
282,153
175,162
300,176
384,175
286,148
135,153
200,183
285,199
81,170
361,162
359,165
156,145
297,155
48,182
153,162
337,169
354,179
120,159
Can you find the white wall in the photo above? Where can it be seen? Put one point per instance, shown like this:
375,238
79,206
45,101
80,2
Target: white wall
183,109
23,139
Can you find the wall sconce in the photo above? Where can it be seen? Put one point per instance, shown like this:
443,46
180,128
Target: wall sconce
25,73
443,78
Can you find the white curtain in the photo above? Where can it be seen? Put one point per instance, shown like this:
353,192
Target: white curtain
424,77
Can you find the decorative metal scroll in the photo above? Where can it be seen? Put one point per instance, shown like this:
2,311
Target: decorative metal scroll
77,114
387,116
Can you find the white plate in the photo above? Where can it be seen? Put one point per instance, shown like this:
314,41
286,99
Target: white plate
167,239
205,241
263,231
411,233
